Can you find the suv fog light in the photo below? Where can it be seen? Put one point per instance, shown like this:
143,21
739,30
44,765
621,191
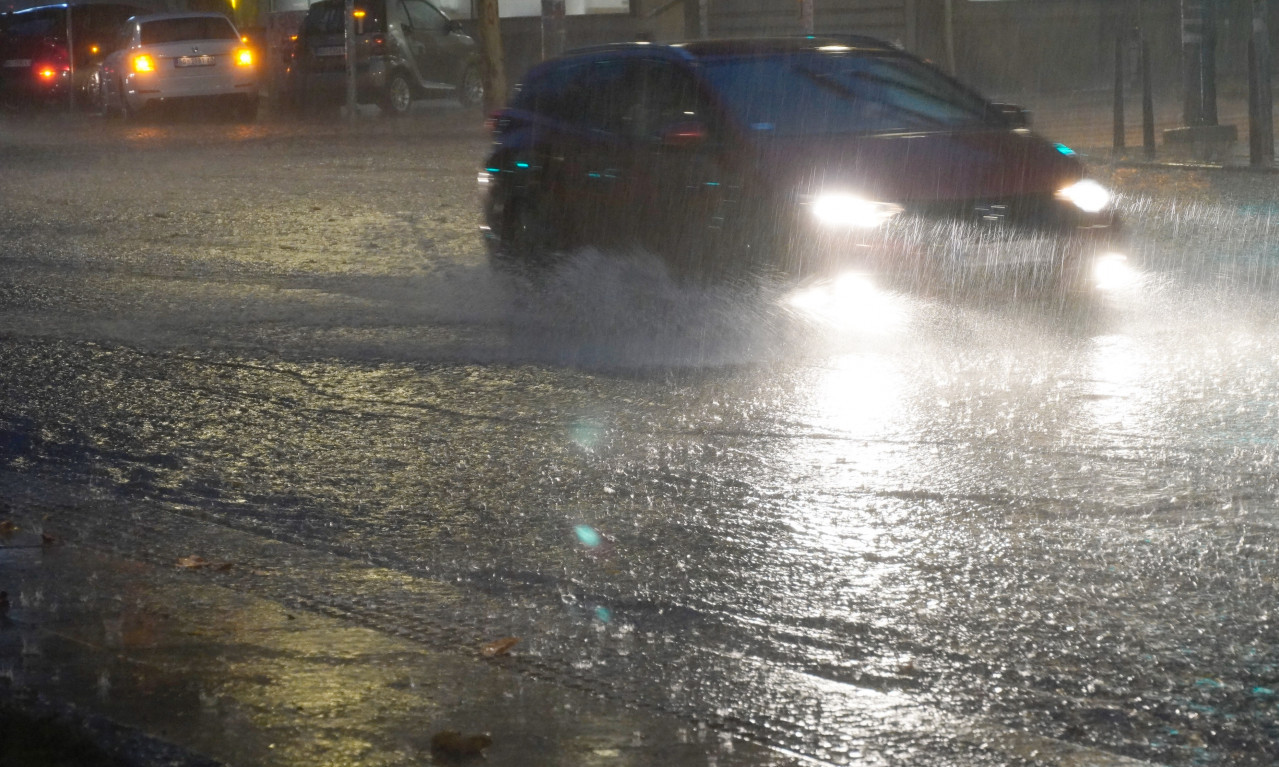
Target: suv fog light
1111,271
849,210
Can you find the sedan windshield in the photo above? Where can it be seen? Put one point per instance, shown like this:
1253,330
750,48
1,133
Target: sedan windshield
819,92
193,28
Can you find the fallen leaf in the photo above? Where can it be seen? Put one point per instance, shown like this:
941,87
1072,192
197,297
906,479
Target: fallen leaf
48,540
499,647
7,528
454,744
196,562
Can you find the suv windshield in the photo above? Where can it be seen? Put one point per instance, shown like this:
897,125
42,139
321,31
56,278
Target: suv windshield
197,28
819,92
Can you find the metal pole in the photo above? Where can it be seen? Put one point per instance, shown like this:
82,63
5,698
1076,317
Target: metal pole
1208,64
70,59
806,16
349,41
552,28
1261,126
1118,137
1147,103
1192,61
948,21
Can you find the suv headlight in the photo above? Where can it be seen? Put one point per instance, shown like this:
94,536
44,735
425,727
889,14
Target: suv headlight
1087,195
841,209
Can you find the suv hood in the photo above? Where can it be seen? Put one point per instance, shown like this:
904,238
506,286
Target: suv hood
920,167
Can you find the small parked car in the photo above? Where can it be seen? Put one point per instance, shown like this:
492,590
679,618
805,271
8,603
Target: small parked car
803,156
179,58
404,50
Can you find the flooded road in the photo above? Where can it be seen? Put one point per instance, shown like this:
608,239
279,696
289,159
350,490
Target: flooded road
870,527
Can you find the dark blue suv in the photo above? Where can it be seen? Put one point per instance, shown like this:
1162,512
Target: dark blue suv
803,155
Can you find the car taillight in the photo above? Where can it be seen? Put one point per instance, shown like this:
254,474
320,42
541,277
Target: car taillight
244,58
379,46
143,63
46,73
497,122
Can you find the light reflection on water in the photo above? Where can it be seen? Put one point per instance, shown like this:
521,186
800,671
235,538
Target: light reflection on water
1117,376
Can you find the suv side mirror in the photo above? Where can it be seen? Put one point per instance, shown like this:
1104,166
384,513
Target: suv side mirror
452,27
1015,115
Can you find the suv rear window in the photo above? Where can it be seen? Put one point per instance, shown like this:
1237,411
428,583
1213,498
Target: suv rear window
35,24
330,19
175,30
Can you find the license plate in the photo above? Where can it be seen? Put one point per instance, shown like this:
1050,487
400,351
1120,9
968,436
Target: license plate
17,63
331,50
193,61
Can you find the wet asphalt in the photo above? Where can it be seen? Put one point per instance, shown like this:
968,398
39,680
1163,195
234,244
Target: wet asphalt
301,457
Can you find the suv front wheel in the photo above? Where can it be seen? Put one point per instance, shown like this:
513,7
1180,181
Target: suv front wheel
470,89
399,95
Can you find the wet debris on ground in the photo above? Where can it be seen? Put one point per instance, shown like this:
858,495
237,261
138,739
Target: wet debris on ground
452,744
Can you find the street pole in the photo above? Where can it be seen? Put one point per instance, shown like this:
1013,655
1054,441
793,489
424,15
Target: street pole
806,16
948,22
70,59
492,69
1198,59
349,43
553,31
1261,126
1118,138
1147,102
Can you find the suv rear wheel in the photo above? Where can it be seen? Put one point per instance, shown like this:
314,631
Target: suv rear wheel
399,95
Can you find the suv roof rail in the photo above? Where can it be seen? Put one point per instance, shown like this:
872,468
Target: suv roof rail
635,45
688,49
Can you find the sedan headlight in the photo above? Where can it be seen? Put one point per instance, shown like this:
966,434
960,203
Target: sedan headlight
1087,195
849,210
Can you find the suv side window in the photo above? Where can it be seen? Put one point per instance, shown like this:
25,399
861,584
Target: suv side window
668,94
424,16
565,93
608,89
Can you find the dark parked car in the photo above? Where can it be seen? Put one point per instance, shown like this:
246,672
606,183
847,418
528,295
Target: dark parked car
404,50
36,67
806,155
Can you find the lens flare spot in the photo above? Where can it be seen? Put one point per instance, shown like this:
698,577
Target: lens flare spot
587,536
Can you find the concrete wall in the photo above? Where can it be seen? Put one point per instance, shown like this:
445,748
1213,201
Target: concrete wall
1004,48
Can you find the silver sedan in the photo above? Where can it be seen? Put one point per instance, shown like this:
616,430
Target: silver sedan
178,58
